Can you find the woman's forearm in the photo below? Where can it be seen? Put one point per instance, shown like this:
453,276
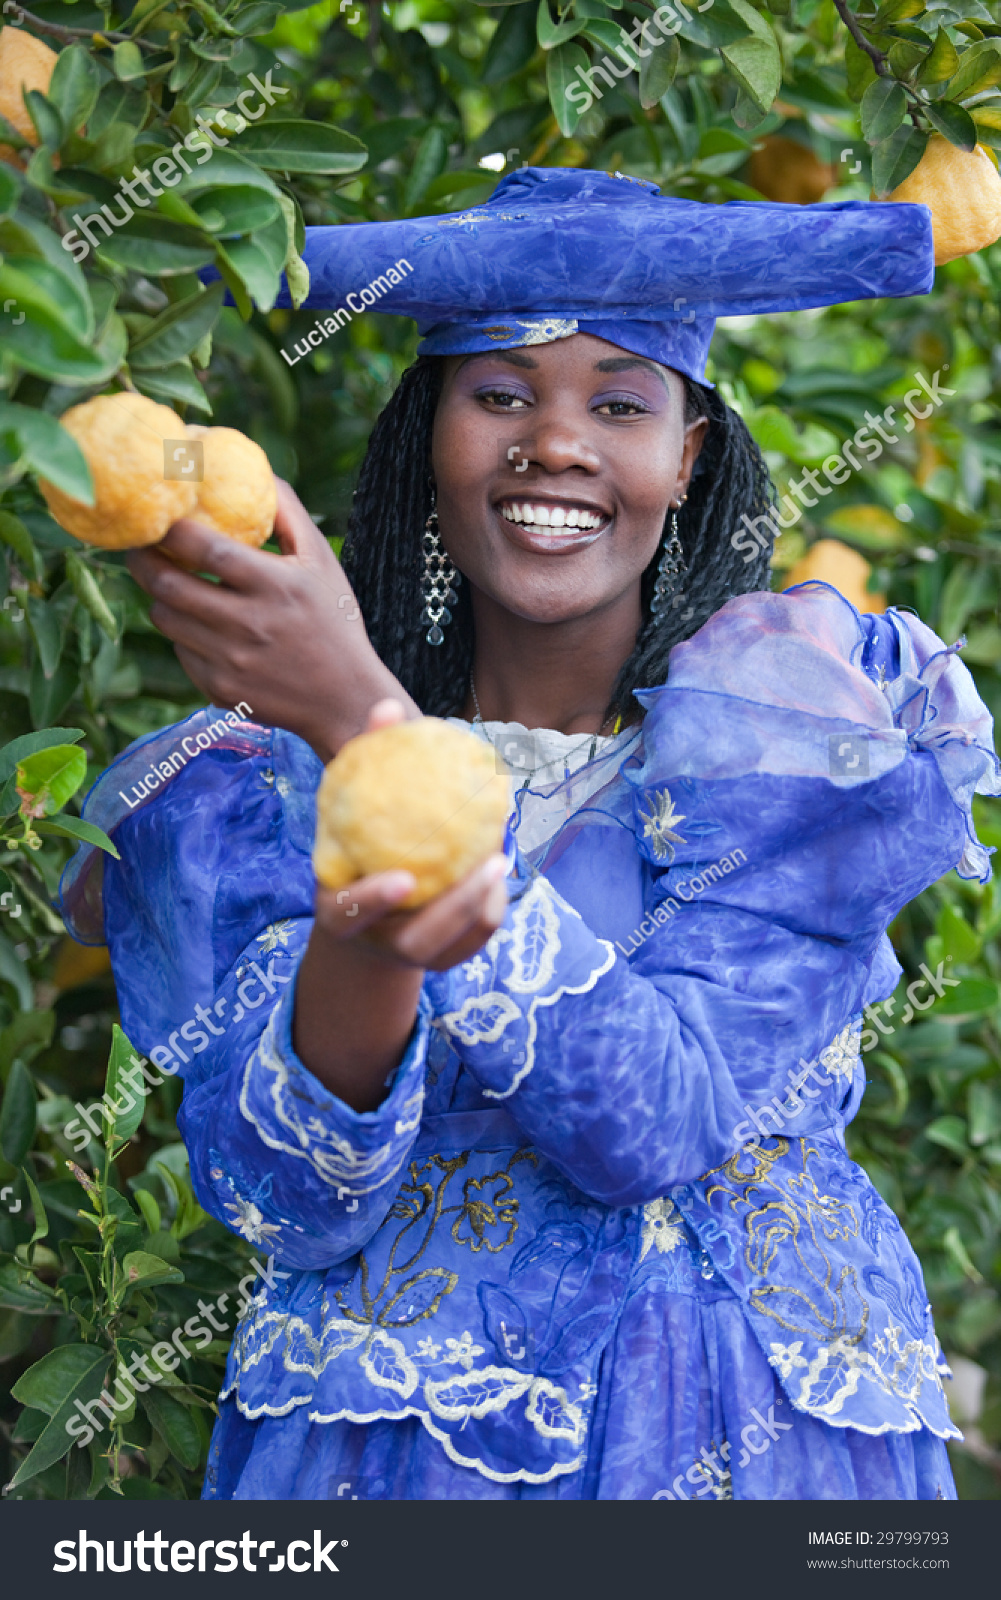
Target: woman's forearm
355,1010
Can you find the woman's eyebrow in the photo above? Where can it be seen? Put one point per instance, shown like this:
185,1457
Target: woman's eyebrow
512,357
623,364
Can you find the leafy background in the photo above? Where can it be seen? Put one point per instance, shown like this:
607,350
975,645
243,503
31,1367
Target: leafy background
400,109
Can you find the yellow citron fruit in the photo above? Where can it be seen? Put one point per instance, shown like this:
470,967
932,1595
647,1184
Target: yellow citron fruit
237,495
830,561
784,170
962,190
122,437
25,63
421,796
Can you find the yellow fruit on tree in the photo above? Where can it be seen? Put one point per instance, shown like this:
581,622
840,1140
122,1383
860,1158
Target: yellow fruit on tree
421,796
25,63
962,190
122,436
785,170
237,494
830,561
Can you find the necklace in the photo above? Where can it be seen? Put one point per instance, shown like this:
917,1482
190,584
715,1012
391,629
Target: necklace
594,737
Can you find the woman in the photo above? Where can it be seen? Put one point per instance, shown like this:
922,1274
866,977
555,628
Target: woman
552,1171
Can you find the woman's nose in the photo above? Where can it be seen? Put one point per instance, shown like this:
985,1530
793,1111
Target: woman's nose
556,444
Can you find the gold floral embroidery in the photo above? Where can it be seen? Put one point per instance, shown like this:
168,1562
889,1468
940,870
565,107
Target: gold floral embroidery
421,1206
780,1211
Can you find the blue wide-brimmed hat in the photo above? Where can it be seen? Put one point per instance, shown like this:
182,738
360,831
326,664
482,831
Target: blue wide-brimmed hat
557,251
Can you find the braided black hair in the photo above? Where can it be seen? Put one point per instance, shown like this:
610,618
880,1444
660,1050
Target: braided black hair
383,555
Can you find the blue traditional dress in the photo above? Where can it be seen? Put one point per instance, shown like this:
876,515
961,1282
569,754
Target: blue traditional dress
602,1239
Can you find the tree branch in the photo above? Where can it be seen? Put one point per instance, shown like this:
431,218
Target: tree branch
57,30
877,57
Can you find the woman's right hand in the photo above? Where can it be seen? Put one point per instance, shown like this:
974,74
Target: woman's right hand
280,633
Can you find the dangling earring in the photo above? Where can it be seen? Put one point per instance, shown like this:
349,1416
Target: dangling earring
439,581
669,570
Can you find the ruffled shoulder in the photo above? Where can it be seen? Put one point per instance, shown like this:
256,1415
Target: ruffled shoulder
799,685
213,819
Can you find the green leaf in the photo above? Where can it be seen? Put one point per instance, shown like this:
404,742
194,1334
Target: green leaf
657,72
897,11
859,69
17,1114
124,1085
10,189
45,624
49,697
177,381
950,1133
550,33
563,81
25,1035
955,122
757,66
88,592
979,68
175,1425
512,46
14,972
74,86
175,332
258,17
943,61
127,61
41,1228
22,1291
28,744
895,159
951,1240
234,210
904,55
51,777
157,248
69,827
429,161
959,940
883,108
150,1210
67,1374
971,997
295,269
48,450
45,1385
44,343
141,1269
15,535
295,145
48,122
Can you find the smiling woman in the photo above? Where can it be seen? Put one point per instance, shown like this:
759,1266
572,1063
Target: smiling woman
523,1251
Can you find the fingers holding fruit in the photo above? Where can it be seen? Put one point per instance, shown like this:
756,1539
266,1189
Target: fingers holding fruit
449,928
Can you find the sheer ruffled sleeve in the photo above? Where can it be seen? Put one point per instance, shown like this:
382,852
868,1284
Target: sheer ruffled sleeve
805,772
206,916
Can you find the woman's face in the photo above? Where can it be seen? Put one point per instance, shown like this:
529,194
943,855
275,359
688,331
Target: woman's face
555,468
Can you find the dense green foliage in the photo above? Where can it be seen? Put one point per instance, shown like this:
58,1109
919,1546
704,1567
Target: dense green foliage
391,110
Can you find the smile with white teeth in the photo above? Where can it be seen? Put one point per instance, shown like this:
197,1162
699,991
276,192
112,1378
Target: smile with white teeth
534,514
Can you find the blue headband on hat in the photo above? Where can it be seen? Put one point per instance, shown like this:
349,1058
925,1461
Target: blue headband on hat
558,250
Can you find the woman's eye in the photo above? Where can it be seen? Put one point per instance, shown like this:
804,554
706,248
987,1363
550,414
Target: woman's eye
621,408
504,398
